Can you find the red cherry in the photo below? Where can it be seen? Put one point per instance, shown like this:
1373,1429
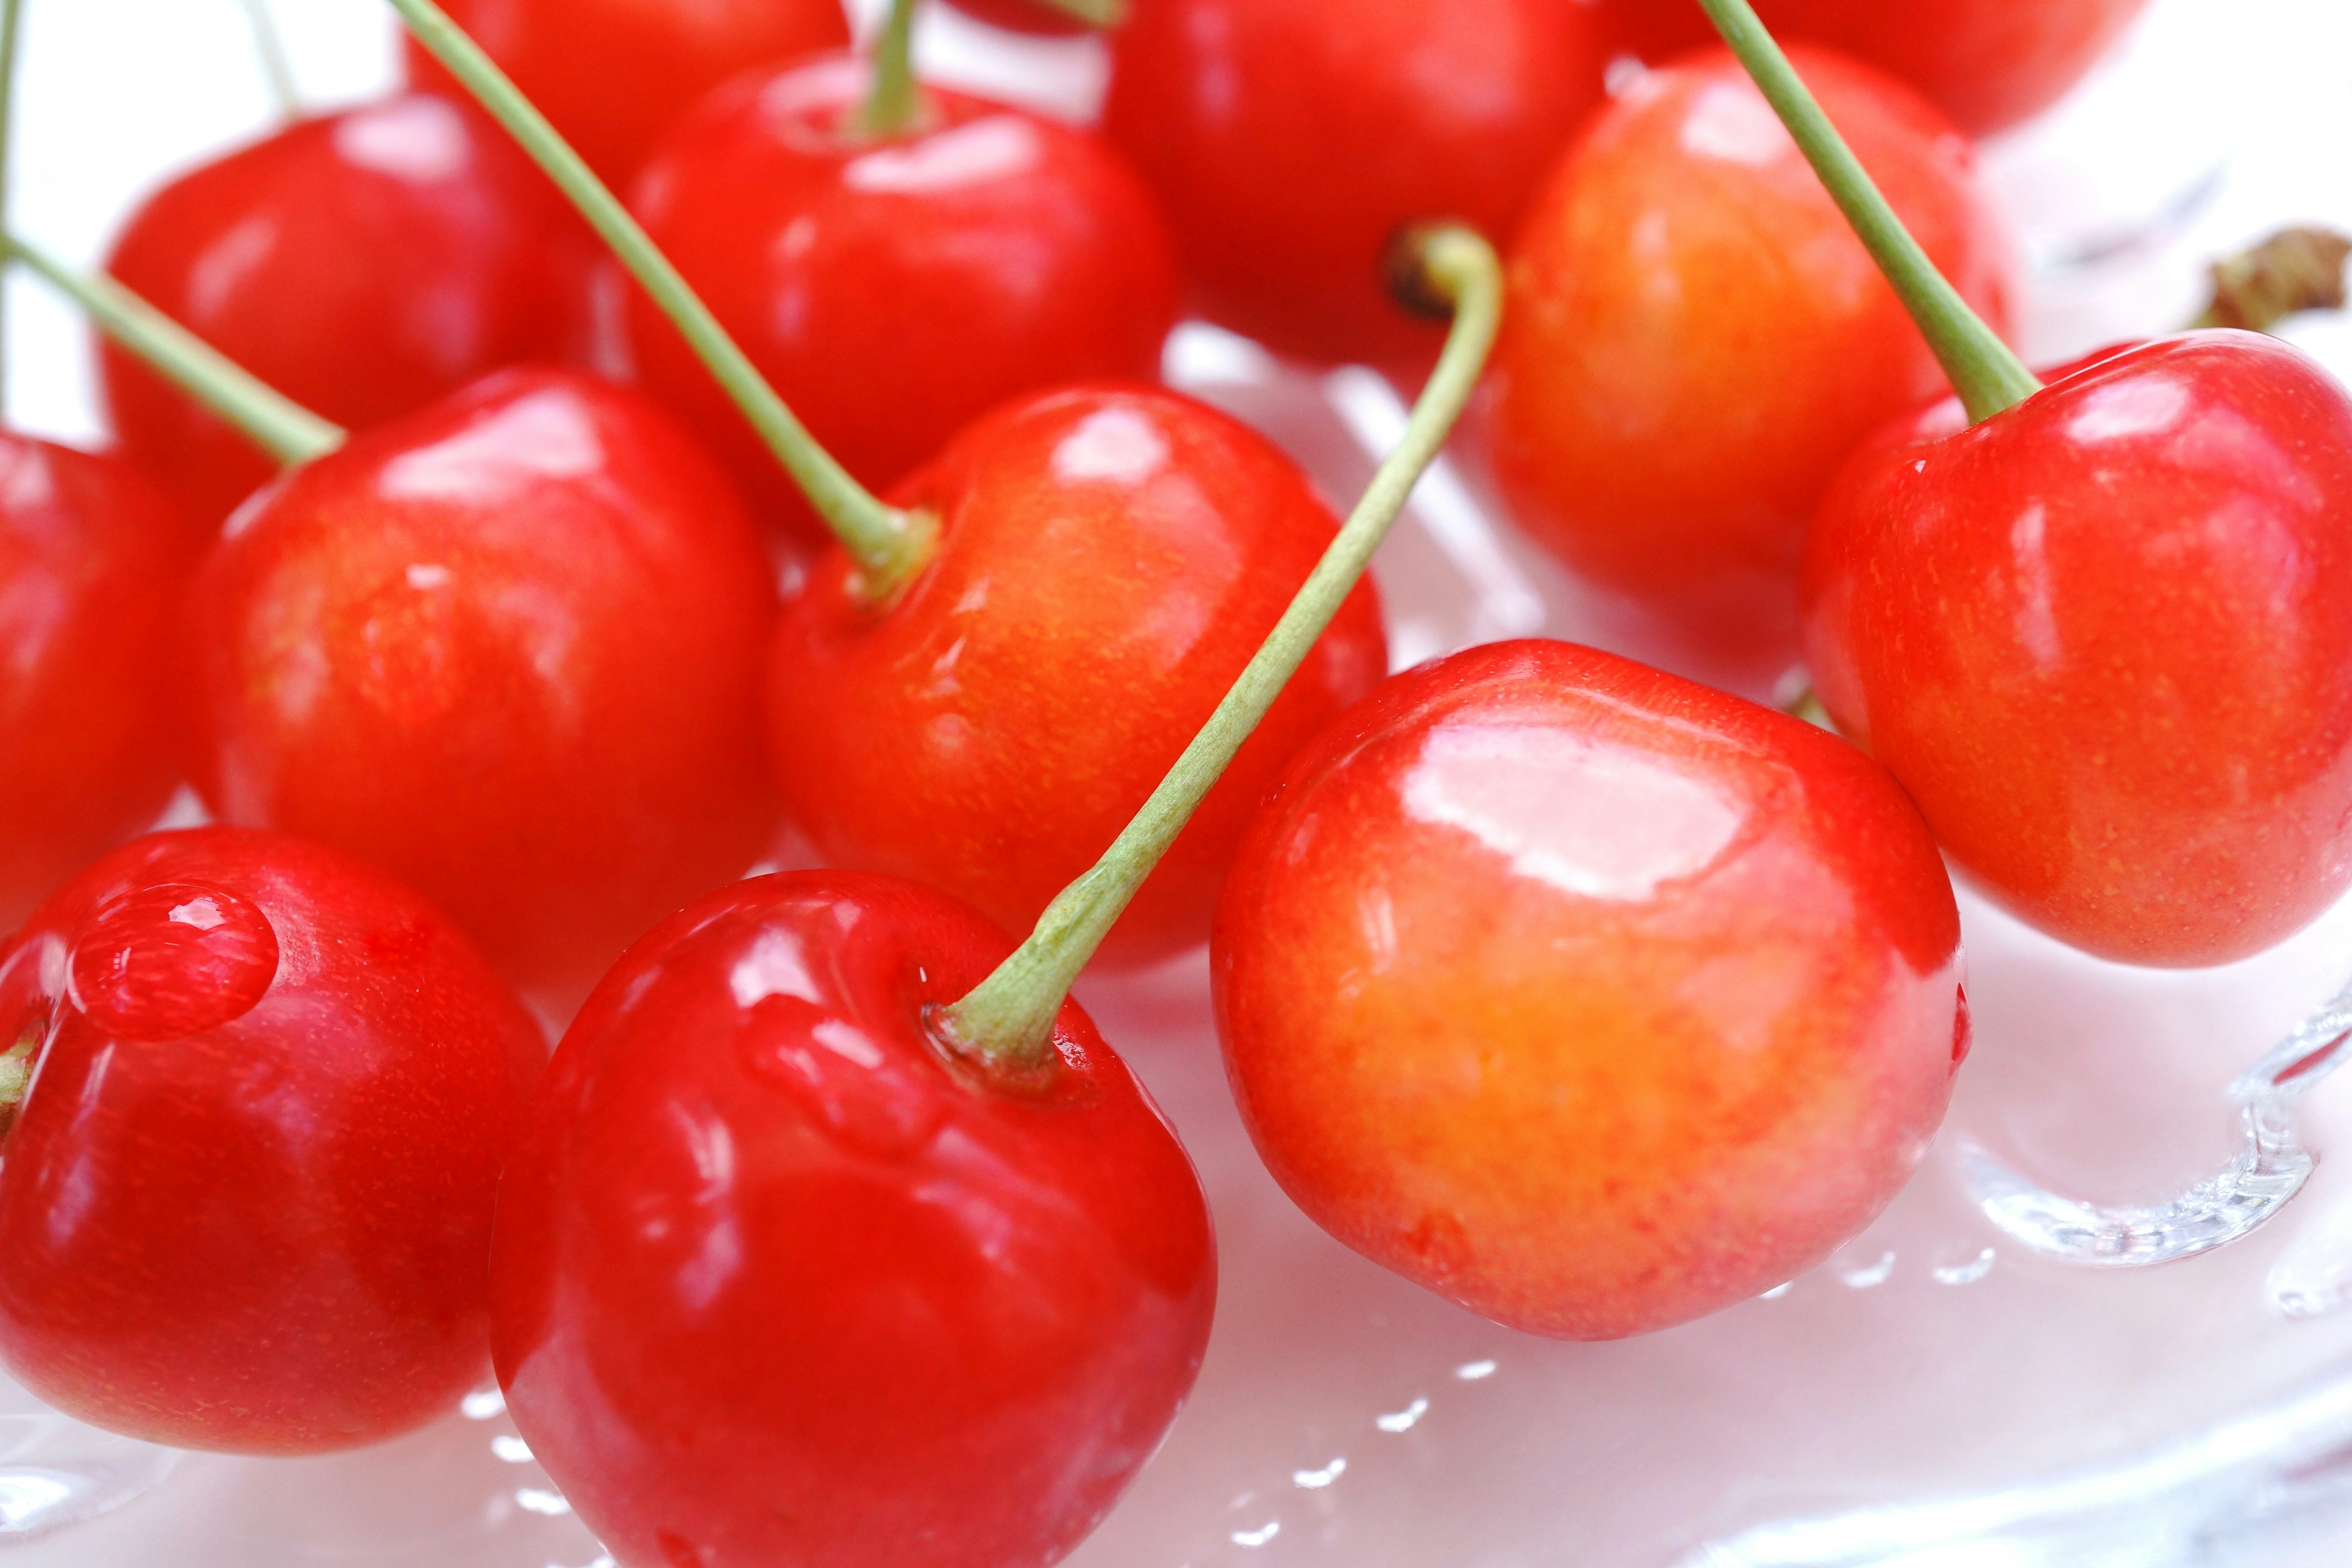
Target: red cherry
776,1279
1023,17
363,264
1588,997
245,1202
507,648
92,565
1695,340
612,74
1987,63
1108,560
2105,639
1292,139
894,288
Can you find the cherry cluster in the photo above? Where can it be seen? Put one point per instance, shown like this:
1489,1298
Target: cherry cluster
506,563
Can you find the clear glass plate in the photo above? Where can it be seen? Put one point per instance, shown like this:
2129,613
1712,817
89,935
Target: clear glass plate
1935,1397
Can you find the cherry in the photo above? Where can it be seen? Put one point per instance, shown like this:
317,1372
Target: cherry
364,263
837,1235
613,74
508,647
1695,340
1987,63
2099,629
1045,18
1107,560
259,1096
777,1278
1590,998
92,563
894,283
1291,139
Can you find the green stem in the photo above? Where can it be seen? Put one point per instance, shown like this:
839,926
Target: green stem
280,427
276,68
887,544
894,103
11,17
1988,376
1008,1018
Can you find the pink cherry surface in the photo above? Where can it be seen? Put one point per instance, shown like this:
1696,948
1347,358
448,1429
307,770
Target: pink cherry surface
2105,639
777,1280
246,1205
1590,998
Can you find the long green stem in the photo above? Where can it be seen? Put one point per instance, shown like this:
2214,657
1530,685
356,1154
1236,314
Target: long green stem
11,17
887,544
894,102
1009,1017
276,68
1988,376
283,428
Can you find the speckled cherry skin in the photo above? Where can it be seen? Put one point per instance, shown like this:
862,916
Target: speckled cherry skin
2105,639
94,562
363,264
1694,340
1588,997
1291,139
1110,559
1987,63
893,291
508,648
613,74
247,1204
1023,17
776,1281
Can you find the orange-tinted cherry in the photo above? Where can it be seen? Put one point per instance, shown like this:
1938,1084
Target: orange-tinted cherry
363,263
1696,341
1590,998
258,1095
894,285
1987,63
2105,639
778,1279
1107,560
508,647
94,562
613,74
1291,139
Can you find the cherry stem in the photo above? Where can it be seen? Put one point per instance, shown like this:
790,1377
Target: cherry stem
2294,270
1989,377
894,103
11,17
280,427
1008,1018
277,68
887,544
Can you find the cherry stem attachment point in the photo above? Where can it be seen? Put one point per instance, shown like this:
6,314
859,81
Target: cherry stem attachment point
1989,377
276,67
1008,1018
275,423
888,545
894,102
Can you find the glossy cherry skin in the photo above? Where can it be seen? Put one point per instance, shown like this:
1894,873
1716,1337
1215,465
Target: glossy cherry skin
1292,139
894,290
2105,639
1588,997
1109,558
508,648
776,1279
363,264
1021,16
1695,340
94,562
613,74
1987,63
246,1205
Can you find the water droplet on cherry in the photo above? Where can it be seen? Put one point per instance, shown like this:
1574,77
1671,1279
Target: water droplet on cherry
172,960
